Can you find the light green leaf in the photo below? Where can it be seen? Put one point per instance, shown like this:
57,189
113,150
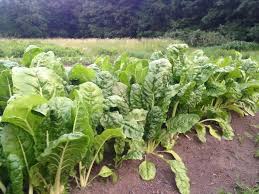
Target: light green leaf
105,172
80,74
60,157
133,130
112,120
19,112
147,170
201,132
214,133
182,123
107,134
48,60
91,97
181,178
40,80
30,52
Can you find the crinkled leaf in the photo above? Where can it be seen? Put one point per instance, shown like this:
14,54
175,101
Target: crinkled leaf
49,60
182,123
155,119
116,103
112,120
135,96
91,97
147,170
15,169
181,178
133,130
39,80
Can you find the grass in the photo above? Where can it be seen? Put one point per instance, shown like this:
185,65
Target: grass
86,50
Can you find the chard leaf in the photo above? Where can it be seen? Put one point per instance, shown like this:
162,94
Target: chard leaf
112,120
216,89
30,52
15,169
138,115
80,74
107,134
105,172
228,132
182,123
116,103
57,121
48,60
105,81
60,157
156,81
136,151
120,89
181,178
201,132
147,170
135,96
133,130
213,132
40,80
155,119
6,88
19,112
91,97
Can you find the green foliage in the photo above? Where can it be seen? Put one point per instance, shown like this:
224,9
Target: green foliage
147,170
50,123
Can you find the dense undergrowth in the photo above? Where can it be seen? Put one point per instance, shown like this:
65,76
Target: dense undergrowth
56,123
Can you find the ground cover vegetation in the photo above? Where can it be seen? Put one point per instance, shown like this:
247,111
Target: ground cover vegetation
58,122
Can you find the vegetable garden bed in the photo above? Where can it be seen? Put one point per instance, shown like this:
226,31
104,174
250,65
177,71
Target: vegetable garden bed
57,124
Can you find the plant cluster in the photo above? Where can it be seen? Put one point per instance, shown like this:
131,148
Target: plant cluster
57,122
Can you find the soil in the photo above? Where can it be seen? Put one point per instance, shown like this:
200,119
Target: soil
212,166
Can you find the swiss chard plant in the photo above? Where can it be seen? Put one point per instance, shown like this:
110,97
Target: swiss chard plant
56,124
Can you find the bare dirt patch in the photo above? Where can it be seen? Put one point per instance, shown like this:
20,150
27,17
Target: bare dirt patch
211,166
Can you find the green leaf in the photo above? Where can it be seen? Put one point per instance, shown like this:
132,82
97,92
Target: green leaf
133,130
19,112
147,170
155,119
135,96
182,123
80,74
58,121
48,60
116,103
228,132
181,178
6,88
107,134
91,97
201,132
105,172
40,80
121,90
216,89
30,52
15,169
124,78
136,151
112,120
214,133
138,115
105,81
60,157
